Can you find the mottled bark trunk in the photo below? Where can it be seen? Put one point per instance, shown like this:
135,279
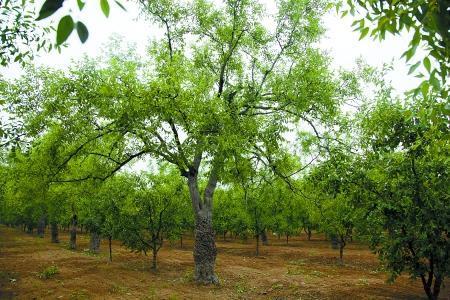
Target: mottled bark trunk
205,251
94,245
54,231
73,233
41,227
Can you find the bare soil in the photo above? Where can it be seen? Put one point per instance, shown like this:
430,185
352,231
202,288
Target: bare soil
301,270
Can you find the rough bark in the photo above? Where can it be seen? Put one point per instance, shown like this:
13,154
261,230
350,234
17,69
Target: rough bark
73,233
94,244
54,232
205,251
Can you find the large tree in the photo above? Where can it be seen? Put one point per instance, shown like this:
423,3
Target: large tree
218,87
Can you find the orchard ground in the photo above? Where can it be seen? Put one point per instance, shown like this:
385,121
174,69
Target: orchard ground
301,270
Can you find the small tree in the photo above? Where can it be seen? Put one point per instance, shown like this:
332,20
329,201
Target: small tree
152,212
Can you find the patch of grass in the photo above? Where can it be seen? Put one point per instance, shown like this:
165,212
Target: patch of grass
188,276
298,262
362,281
305,272
277,286
48,272
119,289
79,295
240,288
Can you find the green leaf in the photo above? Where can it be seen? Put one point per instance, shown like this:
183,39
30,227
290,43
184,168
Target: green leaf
364,32
81,4
65,28
427,64
82,31
424,88
49,8
120,5
413,67
105,7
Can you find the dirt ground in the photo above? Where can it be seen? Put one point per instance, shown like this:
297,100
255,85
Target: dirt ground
301,270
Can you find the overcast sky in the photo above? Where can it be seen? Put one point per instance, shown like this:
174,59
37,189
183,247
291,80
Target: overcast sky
340,41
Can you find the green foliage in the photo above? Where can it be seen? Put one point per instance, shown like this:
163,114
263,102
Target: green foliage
20,37
66,24
49,272
153,211
428,20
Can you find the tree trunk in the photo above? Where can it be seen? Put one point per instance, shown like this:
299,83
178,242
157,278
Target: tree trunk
287,238
334,241
257,244
181,240
432,294
110,248
94,245
154,262
309,234
264,237
205,251
41,227
73,233
54,231
341,250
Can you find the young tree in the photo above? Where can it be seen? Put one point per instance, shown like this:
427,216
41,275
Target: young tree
405,173
152,212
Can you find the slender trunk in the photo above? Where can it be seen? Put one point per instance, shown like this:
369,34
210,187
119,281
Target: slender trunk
205,250
181,241
154,263
81,228
73,233
341,250
264,237
334,241
432,294
54,231
309,234
41,227
94,245
287,238
224,235
110,248
257,244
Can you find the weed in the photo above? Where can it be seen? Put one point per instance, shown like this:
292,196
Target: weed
79,295
48,272
188,276
119,289
362,281
240,287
